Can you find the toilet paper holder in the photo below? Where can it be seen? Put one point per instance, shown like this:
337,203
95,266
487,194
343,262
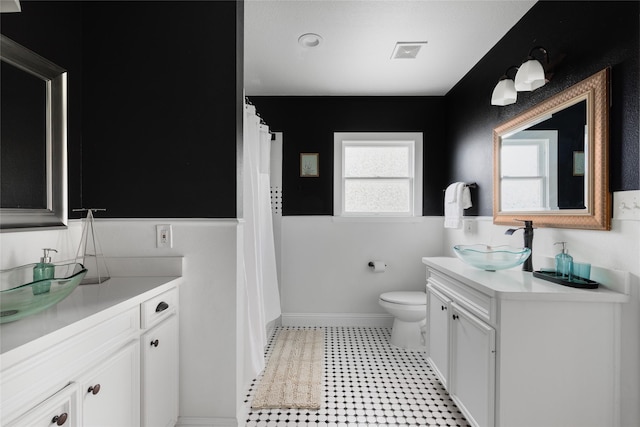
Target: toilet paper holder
378,266
372,265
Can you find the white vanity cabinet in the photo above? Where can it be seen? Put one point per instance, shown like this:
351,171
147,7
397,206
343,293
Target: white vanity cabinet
472,377
111,391
461,347
61,409
516,351
160,361
85,366
438,309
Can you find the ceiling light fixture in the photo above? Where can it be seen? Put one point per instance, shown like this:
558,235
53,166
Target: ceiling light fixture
505,91
309,40
407,50
531,74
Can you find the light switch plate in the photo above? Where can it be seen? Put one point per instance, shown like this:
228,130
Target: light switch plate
469,226
626,205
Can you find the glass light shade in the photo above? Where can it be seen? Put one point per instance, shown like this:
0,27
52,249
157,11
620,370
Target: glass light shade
504,93
530,76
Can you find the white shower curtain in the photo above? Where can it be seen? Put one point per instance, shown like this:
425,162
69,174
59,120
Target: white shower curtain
261,280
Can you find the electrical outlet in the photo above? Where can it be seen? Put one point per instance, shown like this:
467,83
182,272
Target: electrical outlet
164,236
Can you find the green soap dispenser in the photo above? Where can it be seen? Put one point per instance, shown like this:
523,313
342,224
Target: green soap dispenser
42,271
564,261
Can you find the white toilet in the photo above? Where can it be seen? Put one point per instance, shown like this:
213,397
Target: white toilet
409,310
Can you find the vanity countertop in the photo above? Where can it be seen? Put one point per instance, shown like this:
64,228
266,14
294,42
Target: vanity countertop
515,284
88,305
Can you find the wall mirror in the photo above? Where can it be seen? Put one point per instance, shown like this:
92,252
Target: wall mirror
551,162
33,120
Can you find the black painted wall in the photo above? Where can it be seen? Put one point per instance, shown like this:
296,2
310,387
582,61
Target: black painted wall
152,96
308,124
159,124
593,35
152,104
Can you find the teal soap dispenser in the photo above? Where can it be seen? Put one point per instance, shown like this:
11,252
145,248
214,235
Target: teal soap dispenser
43,271
564,262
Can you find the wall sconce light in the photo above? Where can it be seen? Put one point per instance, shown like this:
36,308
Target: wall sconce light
505,91
531,74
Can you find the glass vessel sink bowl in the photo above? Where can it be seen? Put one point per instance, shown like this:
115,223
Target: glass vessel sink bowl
491,258
21,296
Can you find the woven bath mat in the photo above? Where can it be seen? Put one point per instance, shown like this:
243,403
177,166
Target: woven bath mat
293,375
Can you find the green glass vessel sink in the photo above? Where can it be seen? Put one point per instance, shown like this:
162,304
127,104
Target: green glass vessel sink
491,258
21,296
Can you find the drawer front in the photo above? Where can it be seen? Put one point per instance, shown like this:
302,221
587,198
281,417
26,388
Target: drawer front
476,302
159,308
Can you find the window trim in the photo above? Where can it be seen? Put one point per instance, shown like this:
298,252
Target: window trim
339,140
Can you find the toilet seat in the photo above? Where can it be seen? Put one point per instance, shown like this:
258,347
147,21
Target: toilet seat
405,298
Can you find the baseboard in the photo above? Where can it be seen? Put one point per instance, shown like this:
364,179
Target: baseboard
206,422
271,327
337,319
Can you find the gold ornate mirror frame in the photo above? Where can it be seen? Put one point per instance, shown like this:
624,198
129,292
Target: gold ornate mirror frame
597,214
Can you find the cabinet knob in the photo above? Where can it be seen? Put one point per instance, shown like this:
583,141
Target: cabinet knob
455,316
155,343
443,307
162,307
60,419
94,389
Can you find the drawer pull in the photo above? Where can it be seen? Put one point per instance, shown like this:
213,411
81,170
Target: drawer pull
60,419
162,307
155,343
95,389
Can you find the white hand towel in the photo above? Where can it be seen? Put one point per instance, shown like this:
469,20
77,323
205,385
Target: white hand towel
453,210
451,193
466,197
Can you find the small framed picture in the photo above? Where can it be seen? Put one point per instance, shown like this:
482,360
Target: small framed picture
578,163
309,165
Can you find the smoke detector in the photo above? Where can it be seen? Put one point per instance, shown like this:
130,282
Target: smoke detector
407,50
309,40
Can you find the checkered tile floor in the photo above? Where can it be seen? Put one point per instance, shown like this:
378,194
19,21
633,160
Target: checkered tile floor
368,383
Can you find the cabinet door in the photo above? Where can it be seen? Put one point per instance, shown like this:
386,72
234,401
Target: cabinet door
438,336
61,409
112,390
472,378
160,374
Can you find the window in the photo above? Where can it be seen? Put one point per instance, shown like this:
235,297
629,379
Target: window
377,174
528,171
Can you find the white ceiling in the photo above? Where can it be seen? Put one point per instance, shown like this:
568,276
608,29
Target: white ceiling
359,36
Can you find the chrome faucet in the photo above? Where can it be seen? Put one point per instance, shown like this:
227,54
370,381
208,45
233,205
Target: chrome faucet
528,241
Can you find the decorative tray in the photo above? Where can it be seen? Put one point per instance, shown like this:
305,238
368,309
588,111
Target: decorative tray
574,282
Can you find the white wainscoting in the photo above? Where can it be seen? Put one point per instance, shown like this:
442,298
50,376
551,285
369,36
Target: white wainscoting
324,266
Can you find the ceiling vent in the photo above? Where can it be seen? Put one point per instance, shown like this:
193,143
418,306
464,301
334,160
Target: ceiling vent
407,50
